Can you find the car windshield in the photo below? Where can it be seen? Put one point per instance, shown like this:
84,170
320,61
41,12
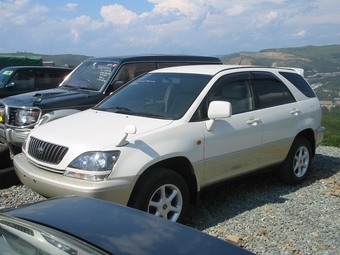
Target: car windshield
90,75
23,237
5,76
157,95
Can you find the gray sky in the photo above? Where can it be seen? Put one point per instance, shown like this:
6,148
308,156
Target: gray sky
204,27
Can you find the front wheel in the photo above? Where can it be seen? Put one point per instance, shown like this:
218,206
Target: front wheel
296,166
161,192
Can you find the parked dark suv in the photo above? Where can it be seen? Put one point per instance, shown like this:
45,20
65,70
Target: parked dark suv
21,79
87,85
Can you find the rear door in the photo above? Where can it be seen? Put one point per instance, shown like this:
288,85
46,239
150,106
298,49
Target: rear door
280,115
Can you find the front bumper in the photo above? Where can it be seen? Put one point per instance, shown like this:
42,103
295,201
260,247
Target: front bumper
51,184
15,137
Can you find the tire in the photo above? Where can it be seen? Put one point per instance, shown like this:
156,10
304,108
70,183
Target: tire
5,159
163,193
297,164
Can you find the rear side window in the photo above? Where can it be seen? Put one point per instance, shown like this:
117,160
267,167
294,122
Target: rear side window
271,90
300,83
49,78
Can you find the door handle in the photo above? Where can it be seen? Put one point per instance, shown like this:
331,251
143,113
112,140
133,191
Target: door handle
295,111
253,121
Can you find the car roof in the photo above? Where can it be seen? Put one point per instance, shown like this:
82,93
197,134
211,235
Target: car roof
34,67
214,69
120,229
158,57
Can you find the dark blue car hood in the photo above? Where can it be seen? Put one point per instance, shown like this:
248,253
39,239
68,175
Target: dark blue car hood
47,98
121,230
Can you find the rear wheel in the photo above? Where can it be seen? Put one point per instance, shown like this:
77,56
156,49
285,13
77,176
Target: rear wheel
161,192
296,166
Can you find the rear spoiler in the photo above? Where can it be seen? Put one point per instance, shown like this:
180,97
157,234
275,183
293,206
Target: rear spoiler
299,71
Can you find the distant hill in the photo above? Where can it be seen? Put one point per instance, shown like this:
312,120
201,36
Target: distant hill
314,59
72,60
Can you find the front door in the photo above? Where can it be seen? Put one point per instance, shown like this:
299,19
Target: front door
233,147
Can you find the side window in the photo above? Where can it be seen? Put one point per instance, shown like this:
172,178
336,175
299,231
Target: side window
23,79
271,90
49,79
236,89
143,68
170,64
299,82
130,71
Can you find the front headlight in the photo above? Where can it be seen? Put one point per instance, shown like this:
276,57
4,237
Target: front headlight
94,166
2,115
25,117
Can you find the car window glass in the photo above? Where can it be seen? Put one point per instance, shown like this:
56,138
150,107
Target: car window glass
299,82
90,75
143,68
130,71
23,79
5,76
49,78
236,89
271,90
170,64
162,94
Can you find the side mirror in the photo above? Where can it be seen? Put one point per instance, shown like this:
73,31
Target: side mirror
129,130
218,110
10,85
117,85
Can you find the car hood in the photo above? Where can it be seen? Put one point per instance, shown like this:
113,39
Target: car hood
121,230
40,97
84,131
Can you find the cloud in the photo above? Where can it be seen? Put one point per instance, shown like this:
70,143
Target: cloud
69,7
300,34
236,10
117,14
172,26
20,13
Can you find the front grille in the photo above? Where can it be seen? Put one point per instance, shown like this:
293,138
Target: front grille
11,115
46,152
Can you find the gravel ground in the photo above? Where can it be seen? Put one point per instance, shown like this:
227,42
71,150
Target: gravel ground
262,214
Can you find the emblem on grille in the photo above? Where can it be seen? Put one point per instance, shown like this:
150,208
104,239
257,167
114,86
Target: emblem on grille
40,150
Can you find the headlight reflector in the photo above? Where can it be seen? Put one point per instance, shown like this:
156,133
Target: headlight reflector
26,117
95,166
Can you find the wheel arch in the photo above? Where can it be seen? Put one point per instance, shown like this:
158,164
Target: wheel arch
181,166
309,135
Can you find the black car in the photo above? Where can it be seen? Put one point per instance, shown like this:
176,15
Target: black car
21,79
86,86
78,225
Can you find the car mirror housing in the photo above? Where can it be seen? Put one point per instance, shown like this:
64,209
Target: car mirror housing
10,85
218,110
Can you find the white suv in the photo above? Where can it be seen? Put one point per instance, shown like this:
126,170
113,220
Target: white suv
155,143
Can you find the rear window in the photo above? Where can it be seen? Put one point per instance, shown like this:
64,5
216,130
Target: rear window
300,83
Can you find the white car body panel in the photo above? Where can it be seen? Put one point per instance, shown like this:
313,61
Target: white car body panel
216,149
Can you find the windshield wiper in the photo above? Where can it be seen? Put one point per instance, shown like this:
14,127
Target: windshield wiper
116,109
68,86
152,115
88,88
